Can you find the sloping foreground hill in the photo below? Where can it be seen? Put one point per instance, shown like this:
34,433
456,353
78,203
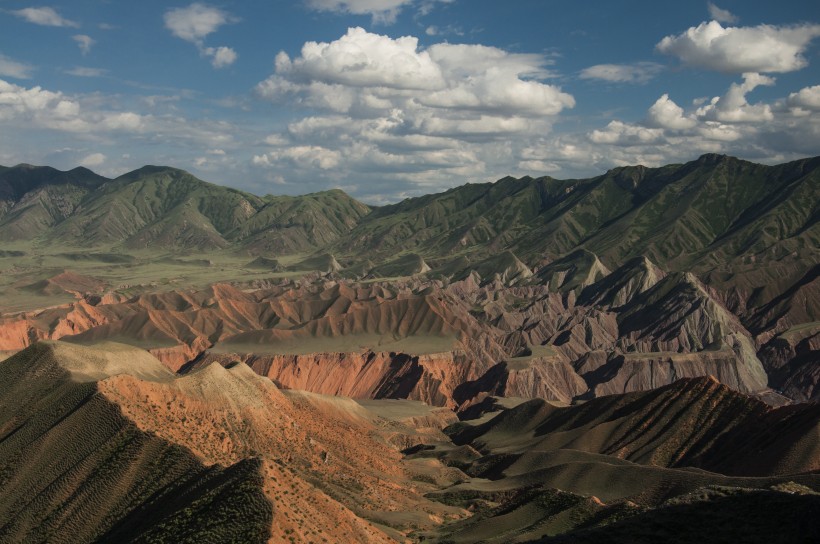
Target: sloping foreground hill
74,469
105,444
635,463
774,516
694,422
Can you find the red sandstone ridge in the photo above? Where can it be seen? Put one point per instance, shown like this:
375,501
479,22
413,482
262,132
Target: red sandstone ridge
86,421
429,340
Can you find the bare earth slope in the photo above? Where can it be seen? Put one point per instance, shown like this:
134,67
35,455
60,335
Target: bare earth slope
105,443
76,470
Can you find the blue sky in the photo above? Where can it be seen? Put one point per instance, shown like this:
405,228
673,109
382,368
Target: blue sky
394,98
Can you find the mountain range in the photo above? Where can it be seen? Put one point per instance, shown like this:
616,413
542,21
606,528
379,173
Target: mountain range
633,357
710,265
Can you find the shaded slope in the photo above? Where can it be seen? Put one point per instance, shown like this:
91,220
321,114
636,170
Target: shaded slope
76,470
717,515
34,199
691,423
106,444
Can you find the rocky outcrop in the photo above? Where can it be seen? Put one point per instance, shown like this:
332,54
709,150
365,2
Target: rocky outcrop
429,378
645,371
792,360
427,339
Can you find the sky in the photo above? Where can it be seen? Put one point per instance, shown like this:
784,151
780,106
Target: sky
387,99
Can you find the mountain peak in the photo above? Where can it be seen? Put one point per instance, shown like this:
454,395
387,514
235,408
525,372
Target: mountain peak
714,158
150,169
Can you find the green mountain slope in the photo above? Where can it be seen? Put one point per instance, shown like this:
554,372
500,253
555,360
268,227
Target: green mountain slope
700,214
165,208
158,206
35,198
286,224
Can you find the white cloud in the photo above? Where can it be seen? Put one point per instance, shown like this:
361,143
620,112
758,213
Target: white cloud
808,98
305,155
379,72
44,16
664,113
12,68
539,167
721,15
84,71
94,159
435,30
640,72
713,130
196,21
425,116
619,133
381,11
763,48
777,131
84,42
362,59
221,56
39,107
733,107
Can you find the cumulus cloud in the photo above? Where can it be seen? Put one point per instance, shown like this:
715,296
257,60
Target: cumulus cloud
808,98
12,68
44,16
83,42
782,130
54,110
733,106
221,56
371,71
664,113
384,104
640,72
362,59
619,133
194,23
303,155
94,159
721,15
381,11
763,48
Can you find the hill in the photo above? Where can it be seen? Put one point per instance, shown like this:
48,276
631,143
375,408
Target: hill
105,444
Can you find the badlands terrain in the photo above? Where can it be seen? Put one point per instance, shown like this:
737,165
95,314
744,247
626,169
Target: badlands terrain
633,357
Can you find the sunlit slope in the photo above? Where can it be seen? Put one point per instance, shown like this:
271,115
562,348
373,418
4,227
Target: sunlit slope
75,469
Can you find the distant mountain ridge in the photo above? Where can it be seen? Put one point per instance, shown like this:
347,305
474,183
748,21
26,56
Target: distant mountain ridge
694,215
164,208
